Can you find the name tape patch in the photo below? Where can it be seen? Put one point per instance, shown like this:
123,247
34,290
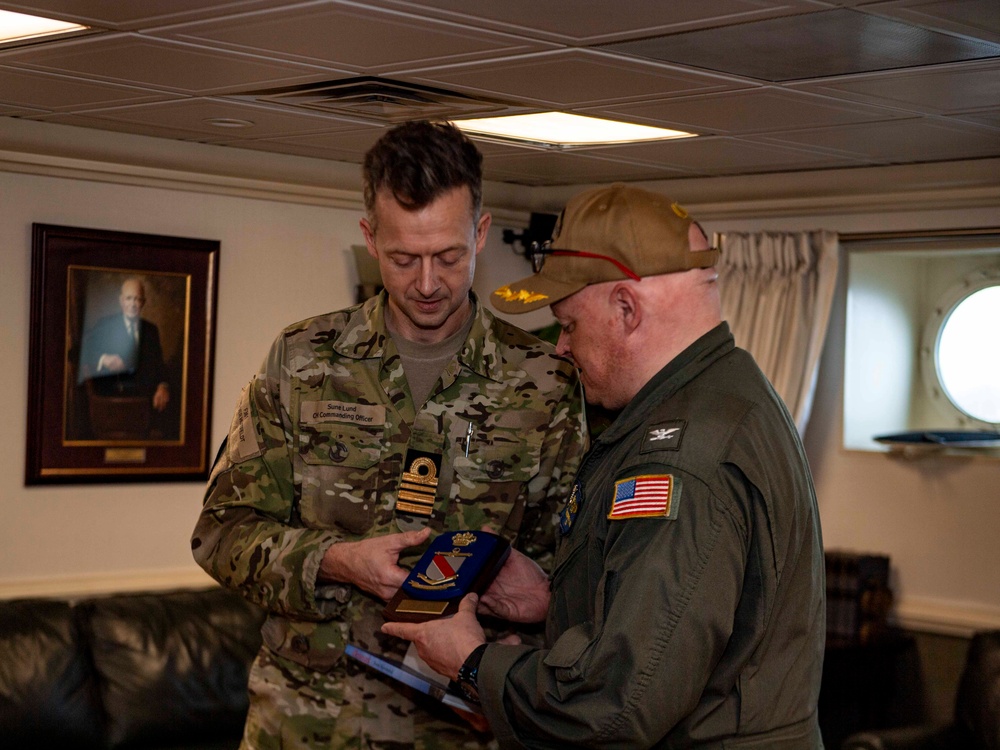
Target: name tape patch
369,415
244,442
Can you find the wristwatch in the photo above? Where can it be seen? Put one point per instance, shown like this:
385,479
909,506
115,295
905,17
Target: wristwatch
468,674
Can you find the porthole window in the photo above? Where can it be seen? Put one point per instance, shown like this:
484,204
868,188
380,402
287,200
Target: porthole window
961,349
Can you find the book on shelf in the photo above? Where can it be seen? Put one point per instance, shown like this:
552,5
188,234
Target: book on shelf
858,597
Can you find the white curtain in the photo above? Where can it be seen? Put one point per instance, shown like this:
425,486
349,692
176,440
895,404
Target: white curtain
777,289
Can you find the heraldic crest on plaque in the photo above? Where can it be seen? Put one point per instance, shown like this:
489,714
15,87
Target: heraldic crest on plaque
455,564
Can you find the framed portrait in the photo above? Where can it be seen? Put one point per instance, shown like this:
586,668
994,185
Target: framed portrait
121,356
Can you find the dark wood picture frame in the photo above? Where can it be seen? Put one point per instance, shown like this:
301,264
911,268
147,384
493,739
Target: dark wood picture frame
121,356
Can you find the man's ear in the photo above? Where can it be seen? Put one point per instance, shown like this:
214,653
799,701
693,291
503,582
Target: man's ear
482,230
626,304
369,232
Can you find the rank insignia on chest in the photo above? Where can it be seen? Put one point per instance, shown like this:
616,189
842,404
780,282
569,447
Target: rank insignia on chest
418,484
665,436
645,496
455,564
568,513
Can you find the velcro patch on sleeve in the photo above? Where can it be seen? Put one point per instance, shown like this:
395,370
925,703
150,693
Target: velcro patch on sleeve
244,442
646,496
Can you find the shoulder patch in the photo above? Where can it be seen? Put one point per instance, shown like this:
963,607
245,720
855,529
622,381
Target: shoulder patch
646,496
244,442
665,436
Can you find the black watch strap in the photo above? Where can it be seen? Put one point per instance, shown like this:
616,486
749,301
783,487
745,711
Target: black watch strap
468,673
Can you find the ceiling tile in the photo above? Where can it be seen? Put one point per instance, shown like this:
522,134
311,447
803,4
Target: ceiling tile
349,37
126,14
192,117
901,141
128,58
7,110
722,156
534,167
815,45
975,18
55,92
573,78
348,146
944,89
592,21
752,111
990,118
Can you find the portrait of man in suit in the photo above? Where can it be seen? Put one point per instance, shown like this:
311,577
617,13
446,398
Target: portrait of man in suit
122,353
122,373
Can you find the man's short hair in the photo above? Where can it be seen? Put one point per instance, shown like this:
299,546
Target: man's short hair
419,161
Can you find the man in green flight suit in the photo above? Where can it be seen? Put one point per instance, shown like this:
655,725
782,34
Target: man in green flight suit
305,514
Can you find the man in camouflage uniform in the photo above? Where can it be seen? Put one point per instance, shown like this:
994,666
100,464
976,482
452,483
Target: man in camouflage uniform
304,515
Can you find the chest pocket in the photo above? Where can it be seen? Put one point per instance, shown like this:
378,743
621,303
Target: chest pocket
493,477
340,476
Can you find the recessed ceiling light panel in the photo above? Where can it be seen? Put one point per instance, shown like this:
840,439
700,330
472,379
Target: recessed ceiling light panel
17,28
560,130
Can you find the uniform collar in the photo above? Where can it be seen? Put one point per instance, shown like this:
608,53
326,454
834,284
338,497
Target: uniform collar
679,371
366,337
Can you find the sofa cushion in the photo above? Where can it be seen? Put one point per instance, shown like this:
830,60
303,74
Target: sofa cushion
173,667
978,703
47,696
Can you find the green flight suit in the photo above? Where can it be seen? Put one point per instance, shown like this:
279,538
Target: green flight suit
688,592
315,455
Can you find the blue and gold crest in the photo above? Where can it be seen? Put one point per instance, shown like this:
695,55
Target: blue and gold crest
455,564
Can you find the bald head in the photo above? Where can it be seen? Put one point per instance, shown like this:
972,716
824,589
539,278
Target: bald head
132,298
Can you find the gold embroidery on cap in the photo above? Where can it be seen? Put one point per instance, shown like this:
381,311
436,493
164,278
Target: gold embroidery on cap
523,296
679,210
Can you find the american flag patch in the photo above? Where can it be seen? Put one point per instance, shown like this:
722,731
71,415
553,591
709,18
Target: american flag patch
645,496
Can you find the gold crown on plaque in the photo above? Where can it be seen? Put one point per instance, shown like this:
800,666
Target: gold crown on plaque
463,539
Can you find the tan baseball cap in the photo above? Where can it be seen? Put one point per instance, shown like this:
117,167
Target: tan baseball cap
610,233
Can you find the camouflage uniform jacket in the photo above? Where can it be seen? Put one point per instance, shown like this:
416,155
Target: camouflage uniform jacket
317,447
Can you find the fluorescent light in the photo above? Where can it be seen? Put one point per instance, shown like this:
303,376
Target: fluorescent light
562,130
18,27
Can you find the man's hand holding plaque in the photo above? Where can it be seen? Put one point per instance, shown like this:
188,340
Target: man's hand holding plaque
456,563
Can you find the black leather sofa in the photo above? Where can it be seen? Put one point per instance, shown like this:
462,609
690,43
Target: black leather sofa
152,670
976,723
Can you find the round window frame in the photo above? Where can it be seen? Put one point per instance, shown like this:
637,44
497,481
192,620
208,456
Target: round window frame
947,303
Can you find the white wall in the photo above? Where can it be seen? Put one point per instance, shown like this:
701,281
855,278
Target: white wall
279,262
285,256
